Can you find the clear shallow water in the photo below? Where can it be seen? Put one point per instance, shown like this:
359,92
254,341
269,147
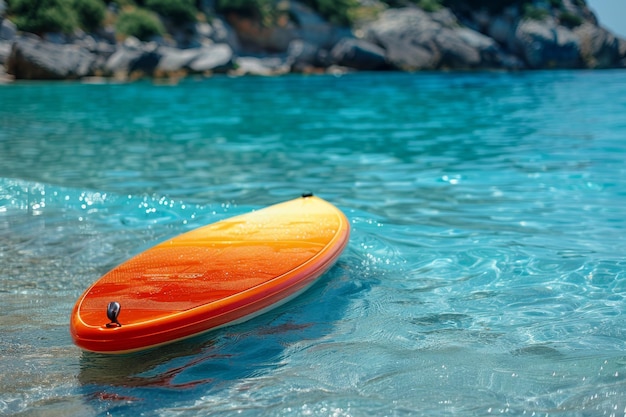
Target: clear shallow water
485,275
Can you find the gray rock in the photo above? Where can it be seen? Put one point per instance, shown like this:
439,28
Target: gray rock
543,44
120,62
406,35
359,54
55,37
302,54
174,59
249,65
490,52
304,24
150,59
5,51
222,32
212,58
145,64
499,29
34,59
4,77
183,35
455,51
445,18
133,56
96,45
8,30
310,27
416,40
599,47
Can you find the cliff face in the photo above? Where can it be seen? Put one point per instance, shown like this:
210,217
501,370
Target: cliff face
538,36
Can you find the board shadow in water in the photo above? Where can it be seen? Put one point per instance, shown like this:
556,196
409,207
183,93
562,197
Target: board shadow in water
214,361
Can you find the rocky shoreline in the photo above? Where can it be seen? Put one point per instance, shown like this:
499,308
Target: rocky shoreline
405,39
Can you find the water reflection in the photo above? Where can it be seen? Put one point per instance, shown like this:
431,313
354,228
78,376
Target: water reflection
216,360
138,369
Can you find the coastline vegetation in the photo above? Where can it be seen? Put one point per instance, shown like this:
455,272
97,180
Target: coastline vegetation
140,23
140,18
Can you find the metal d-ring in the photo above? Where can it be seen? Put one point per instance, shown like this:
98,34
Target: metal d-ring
113,310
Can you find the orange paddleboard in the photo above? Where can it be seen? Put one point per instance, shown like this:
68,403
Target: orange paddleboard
213,276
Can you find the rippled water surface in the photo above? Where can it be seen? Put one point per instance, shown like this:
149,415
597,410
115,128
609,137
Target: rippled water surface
485,275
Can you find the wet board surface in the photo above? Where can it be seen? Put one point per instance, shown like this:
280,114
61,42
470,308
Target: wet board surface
216,275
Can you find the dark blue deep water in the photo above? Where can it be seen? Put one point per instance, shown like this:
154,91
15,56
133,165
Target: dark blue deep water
486,272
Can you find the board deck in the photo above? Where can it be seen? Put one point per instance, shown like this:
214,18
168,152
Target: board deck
216,275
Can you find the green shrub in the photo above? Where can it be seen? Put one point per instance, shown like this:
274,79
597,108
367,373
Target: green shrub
429,5
90,13
493,6
261,10
556,4
534,13
570,20
140,23
41,16
179,11
339,12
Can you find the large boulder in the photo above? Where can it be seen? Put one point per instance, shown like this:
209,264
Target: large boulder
174,59
599,47
303,24
34,59
8,32
305,57
212,58
250,65
134,59
359,54
313,29
220,32
407,36
5,51
455,52
416,40
256,38
126,57
490,53
544,44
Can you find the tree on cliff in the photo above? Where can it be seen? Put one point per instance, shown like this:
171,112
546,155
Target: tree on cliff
278,36
40,16
65,16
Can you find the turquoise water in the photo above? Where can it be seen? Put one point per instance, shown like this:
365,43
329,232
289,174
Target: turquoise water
486,272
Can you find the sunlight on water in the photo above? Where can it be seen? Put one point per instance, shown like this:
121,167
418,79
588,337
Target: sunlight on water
485,273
